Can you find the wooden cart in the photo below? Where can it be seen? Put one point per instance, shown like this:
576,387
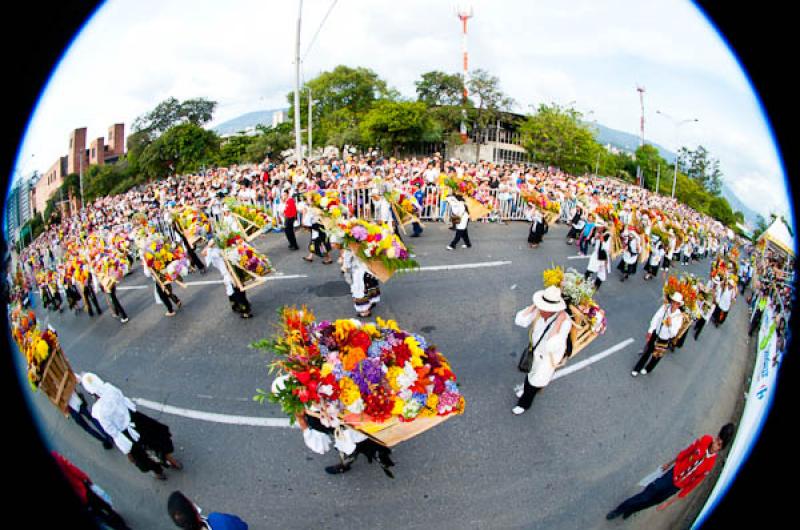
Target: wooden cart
248,229
581,333
375,266
392,431
476,209
252,280
58,380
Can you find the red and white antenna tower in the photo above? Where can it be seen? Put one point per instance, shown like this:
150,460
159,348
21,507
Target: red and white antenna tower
640,89
465,14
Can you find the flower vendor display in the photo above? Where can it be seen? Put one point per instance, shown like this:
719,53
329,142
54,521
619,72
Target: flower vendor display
388,383
588,318
193,223
252,219
378,246
246,265
168,262
47,368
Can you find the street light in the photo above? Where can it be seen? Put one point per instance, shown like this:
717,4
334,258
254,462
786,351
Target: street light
677,125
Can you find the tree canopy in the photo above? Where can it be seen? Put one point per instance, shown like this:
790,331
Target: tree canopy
394,125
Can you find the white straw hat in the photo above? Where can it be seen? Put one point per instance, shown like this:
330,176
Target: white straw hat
677,297
549,300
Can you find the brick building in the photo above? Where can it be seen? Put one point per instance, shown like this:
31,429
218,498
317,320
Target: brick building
79,157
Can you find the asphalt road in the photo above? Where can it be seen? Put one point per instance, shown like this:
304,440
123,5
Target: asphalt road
578,452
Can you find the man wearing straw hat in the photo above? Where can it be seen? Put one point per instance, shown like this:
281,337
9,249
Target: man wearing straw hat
724,297
549,331
664,327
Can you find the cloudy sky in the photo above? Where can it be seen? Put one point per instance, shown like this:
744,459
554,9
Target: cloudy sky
134,54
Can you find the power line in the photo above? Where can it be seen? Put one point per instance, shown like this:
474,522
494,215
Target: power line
318,30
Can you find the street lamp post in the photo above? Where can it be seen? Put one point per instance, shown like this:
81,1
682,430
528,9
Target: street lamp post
677,155
297,141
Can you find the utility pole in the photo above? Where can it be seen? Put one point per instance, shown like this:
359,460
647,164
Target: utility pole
677,125
658,177
464,15
639,172
297,142
309,123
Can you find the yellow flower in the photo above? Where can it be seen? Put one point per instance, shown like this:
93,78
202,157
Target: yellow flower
397,410
326,369
42,350
343,328
392,375
349,391
387,324
371,330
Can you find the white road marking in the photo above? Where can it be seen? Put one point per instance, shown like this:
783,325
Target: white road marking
577,257
216,282
462,266
210,416
593,359
284,422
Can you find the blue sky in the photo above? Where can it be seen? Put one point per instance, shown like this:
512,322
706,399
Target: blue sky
133,55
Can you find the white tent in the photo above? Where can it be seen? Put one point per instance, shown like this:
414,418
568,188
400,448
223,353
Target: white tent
778,235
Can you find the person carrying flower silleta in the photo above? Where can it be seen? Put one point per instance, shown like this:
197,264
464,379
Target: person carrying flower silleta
364,287
239,302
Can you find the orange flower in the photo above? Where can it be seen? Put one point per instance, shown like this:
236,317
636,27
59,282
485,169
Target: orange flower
351,357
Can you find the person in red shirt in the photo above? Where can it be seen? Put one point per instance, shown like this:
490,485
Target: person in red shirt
681,475
290,214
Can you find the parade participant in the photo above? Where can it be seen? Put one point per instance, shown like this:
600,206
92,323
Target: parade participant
186,515
669,252
238,299
680,475
116,307
599,261
549,331
135,434
630,256
687,250
290,216
89,495
577,225
536,229
364,287
705,308
759,307
190,250
586,236
163,291
78,410
664,327
89,294
724,297
319,244
73,296
655,259
349,443
460,215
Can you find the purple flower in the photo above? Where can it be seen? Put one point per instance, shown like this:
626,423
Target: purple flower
359,233
370,369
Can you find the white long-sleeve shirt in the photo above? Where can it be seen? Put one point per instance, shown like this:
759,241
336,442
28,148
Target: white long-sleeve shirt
658,323
214,257
550,350
724,299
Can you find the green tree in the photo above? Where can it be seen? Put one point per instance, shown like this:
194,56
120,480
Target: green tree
556,136
437,89
172,112
182,149
342,97
270,143
394,125
490,102
234,149
649,159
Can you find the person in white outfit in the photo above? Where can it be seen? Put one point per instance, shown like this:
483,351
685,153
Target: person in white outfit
237,297
549,331
664,328
458,210
599,261
364,287
724,298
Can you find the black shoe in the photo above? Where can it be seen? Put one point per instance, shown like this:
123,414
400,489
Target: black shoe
337,469
108,445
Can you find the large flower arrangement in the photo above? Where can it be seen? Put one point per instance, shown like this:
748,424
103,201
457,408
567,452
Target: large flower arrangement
193,222
36,345
329,203
686,286
240,253
257,215
347,370
165,259
461,185
377,242
405,203
579,293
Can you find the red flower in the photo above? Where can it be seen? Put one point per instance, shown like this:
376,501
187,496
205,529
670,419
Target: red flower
359,339
401,354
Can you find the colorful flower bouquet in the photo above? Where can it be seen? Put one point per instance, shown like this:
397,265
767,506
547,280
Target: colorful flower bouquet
252,219
329,204
686,286
463,186
377,245
369,376
404,205
193,222
47,368
247,266
166,260
553,276
589,319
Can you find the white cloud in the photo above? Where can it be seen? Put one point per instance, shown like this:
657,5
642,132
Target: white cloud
239,53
